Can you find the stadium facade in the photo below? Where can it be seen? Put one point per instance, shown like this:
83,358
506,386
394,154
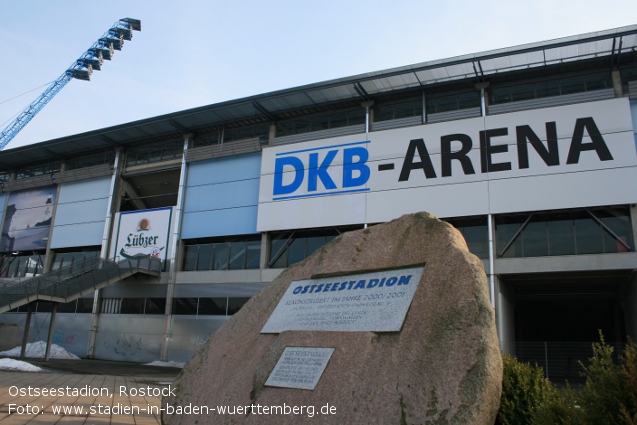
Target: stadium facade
529,151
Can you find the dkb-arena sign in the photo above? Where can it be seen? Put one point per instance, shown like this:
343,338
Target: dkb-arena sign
503,163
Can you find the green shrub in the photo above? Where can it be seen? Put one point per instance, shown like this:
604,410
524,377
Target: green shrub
610,394
608,397
525,392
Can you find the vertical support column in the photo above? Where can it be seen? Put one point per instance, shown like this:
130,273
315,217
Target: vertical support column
265,251
617,82
368,121
271,134
484,101
108,226
633,223
47,255
174,248
424,108
50,337
491,274
25,334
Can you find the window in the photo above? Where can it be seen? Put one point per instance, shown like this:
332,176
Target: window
215,306
412,108
576,232
12,266
289,248
39,170
547,88
627,75
81,305
476,234
155,306
84,305
90,161
155,153
126,306
76,260
246,132
207,139
322,122
238,253
437,104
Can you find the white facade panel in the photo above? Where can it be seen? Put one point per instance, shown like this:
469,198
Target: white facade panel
307,212
569,190
477,166
77,235
81,213
467,199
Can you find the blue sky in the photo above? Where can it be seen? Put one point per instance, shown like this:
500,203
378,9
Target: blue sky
192,53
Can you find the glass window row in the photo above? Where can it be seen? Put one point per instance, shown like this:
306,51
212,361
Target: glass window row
564,233
321,122
215,306
155,153
547,88
223,255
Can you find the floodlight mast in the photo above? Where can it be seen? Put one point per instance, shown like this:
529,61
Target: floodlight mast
81,69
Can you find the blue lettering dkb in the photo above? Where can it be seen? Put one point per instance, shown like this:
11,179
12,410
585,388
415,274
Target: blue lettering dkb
279,169
319,172
355,172
350,167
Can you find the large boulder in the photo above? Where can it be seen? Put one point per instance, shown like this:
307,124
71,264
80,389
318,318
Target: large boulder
443,366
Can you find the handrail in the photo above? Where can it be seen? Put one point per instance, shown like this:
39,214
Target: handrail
75,278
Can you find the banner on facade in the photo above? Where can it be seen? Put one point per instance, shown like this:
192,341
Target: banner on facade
143,234
28,219
569,156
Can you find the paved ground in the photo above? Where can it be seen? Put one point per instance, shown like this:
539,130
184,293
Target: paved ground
83,392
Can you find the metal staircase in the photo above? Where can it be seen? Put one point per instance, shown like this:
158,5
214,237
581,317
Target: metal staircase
72,282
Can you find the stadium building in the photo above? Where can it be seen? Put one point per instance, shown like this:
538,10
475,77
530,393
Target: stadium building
151,234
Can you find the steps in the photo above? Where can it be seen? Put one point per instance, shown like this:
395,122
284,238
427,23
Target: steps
72,282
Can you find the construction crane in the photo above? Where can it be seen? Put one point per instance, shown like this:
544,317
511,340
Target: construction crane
81,69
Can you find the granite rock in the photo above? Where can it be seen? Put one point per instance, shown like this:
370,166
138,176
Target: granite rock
444,366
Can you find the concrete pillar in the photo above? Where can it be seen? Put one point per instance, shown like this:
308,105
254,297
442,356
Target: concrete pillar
424,108
617,82
106,235
484,98
25,334
265,251
272,133
173,254
49,339
368,123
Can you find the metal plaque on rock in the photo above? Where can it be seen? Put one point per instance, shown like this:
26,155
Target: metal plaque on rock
374,302
300,367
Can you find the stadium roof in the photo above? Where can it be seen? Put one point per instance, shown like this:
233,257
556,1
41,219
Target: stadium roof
266,107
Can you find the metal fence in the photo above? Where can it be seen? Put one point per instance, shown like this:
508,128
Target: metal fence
560,360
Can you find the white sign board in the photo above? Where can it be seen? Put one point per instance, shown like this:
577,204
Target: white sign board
143,234
374,302
300,367
551,158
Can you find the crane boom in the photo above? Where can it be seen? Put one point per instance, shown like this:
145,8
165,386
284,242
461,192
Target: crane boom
81,69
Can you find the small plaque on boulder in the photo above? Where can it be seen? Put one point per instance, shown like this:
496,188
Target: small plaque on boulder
370,302
300,367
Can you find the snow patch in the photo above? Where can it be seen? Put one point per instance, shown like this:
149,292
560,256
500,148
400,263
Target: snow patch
165,364
11,364
38,349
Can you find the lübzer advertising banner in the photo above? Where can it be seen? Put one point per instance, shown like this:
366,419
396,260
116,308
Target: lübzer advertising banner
143,234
